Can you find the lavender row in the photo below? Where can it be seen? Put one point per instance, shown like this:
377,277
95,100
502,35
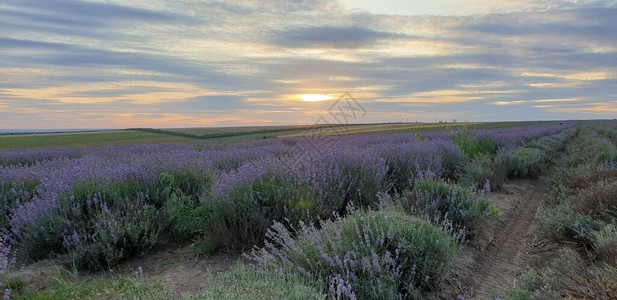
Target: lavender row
258,182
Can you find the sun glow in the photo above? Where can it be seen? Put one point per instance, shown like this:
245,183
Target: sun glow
315,97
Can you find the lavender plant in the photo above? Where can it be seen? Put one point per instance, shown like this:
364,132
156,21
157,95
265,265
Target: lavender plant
372,255
523,162
7,261
438,201
232,190
247,200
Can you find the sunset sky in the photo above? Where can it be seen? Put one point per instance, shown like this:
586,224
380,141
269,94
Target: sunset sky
189,63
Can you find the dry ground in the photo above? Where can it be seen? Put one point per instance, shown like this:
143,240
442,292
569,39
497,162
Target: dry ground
489,266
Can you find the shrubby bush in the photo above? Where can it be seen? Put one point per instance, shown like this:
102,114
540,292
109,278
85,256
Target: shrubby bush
439,201
594,148
588,179
245,202
583,194
562,222
104,204
105,235
99,224
523,162
474,146
248,283
187,216
599,201
568,277
411,161
551,145
242,220
13,195
481,169
605,244
372,255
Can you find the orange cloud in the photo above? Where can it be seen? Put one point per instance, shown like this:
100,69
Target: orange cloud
597,108
448,96
515,102
171,120
78,93
579,76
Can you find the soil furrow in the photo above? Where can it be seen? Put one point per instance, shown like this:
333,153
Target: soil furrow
496,268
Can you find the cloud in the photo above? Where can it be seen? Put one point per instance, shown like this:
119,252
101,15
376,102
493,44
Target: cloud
600,109
85,13
516,102
335,37
229,60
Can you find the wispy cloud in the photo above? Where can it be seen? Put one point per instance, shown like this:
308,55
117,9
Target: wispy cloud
332,37
246,62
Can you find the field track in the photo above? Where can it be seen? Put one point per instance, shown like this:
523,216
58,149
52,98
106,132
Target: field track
508,253
483,274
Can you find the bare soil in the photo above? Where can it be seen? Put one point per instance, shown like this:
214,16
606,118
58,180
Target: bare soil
489,266
178,268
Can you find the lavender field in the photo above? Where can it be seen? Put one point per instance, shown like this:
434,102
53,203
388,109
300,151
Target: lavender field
365,216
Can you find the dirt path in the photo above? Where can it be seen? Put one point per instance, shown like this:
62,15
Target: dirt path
177,268
484,271
516,235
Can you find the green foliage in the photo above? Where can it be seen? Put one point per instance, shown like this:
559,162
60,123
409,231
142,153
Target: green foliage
188,218
473,146
551,145
523,162
204,246
24,141
599,201
605,244
582,194
562,222
594,148
185,183
442,201
12,195
481,169
519,294
16,285
242,220
569,277
122,287
384,239
129,228
360,191
246,283
99,224
440,190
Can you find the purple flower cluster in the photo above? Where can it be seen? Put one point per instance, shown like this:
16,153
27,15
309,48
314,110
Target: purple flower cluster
455,209
357,268
366,255
35,182
59,171
516,136
28,157
7,257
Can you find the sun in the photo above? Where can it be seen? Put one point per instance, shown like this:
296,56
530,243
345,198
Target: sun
315,97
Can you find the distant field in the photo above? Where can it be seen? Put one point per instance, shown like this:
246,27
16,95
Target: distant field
85,139
252,132
203,131
415,127
225,134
